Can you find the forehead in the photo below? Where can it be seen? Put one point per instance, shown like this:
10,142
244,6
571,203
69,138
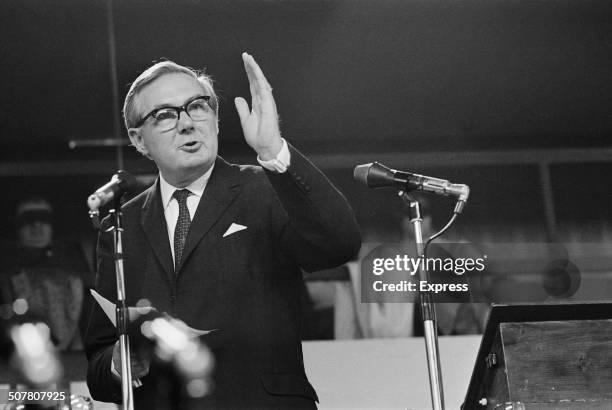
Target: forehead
170,89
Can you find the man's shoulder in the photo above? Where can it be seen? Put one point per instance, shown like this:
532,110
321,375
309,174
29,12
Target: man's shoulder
244,169
139,200
244,174
251,172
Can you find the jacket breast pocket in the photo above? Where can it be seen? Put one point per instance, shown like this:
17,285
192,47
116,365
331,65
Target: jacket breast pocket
235,252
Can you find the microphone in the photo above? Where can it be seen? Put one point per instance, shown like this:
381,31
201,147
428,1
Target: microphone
376,175
120,183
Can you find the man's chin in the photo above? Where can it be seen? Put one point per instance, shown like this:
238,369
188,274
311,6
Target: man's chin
194,166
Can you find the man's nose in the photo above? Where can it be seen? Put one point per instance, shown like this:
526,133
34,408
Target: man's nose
185,123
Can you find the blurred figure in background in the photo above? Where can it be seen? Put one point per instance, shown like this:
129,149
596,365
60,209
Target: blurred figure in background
319,301
46,273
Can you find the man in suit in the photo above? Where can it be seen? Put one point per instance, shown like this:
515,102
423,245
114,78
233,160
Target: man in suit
225,255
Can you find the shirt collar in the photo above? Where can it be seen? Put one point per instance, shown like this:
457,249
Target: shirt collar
196,187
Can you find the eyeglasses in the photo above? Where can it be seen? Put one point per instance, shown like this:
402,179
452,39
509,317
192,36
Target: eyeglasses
166,118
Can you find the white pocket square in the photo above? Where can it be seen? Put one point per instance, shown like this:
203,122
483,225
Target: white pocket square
233,229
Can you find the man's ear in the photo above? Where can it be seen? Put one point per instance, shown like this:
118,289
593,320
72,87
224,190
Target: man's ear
137,141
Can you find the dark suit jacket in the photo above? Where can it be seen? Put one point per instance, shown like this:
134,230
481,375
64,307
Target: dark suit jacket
246,284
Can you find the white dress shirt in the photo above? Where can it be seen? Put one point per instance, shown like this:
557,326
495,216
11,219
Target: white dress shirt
171,206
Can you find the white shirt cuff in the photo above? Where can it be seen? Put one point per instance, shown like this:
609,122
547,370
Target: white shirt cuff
280,163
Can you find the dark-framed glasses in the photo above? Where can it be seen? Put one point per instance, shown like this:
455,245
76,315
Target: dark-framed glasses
166,118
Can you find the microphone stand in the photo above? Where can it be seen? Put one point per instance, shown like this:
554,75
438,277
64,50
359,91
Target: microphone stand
428,311
122,310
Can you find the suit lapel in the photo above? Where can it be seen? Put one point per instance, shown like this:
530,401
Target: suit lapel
154,225
222,188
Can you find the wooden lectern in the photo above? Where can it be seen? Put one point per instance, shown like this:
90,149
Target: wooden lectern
550,356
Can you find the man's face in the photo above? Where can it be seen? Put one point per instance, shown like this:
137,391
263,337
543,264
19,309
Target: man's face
34,230
35,235
187,151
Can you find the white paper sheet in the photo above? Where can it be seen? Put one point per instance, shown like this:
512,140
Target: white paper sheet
135,312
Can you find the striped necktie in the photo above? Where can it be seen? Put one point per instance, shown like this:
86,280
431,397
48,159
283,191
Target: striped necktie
182,226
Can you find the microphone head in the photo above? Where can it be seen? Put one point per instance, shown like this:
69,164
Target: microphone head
360,173
120,183
374,175
94,202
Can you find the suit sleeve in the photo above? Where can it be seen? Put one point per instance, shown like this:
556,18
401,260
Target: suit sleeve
101,335
320,229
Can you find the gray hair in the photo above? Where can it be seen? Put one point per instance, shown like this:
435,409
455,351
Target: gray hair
131,115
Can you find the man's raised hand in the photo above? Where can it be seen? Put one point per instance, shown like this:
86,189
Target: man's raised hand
260,123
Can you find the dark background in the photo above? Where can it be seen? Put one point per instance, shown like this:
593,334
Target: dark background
478,92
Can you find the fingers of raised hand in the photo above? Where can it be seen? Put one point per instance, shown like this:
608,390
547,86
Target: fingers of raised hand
257,80
243,109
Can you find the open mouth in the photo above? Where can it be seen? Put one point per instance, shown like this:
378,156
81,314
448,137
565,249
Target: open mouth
191,146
